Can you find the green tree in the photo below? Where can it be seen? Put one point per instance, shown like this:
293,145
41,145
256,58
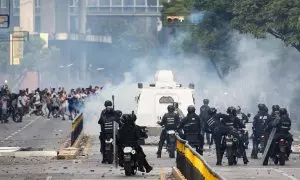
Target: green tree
259,17
210,37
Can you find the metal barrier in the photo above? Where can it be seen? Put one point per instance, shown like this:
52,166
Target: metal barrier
191,164
77,126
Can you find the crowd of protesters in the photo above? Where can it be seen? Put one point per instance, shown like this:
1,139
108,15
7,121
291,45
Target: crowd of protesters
52,102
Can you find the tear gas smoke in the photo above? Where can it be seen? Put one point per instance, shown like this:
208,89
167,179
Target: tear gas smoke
262,77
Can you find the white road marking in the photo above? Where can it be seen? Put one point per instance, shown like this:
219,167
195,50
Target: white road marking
20,130
48,177
285,174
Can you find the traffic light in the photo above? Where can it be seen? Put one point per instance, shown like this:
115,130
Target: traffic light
175,20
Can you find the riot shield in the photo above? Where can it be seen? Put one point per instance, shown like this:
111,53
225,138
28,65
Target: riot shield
268,144
271,137
115,129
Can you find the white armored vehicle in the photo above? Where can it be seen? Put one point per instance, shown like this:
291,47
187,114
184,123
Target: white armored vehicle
152,101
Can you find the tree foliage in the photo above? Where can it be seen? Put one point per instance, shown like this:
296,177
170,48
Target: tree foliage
281,18
211,37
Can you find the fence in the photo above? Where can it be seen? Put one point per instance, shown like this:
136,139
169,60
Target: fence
77,127
191,164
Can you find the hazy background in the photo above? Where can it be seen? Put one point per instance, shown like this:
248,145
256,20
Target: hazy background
267,73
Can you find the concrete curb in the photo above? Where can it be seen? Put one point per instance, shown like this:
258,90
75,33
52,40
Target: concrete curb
177,174
29,154
162,174
70,152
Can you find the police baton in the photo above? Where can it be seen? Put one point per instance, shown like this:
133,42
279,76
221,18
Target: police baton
115,136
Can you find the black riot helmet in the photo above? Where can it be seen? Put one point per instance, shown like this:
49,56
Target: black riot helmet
261,107
171,108
205,101
212,111
191,109
275,108
282,111
230,110
108,103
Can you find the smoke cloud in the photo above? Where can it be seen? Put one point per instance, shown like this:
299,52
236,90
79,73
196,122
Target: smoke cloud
267,73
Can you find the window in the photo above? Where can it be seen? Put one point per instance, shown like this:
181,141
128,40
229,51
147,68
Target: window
74,3
152,2
3,3
166,100
140,2
92,3
128,2
104,2
16,3
37,3
117,2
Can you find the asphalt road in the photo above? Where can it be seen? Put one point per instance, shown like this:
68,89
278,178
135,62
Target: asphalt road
35,132
254,170
84,168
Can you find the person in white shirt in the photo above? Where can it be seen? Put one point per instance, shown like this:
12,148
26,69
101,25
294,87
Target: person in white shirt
21,104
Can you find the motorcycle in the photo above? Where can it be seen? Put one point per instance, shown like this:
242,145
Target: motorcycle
280,151
108,150
38,110
13,112
130,163
232,151
171,143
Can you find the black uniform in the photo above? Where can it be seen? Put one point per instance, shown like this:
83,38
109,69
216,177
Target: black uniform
283,124
259,121
170,121
129,135
106,121
192,131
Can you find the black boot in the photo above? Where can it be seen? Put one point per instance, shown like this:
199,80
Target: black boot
219,160
158,154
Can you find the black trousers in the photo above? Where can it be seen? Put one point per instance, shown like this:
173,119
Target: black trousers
162,139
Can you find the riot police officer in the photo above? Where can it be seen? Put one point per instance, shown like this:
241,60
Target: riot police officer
192,129
106,121
218,130
259,121
234,123
203,118
283,128
280,120
170,121
129,135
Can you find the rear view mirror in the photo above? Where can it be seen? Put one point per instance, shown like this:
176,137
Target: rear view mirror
248,115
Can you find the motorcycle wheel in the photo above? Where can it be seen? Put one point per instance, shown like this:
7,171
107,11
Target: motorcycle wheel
282,158
110,158
230,157
128,169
